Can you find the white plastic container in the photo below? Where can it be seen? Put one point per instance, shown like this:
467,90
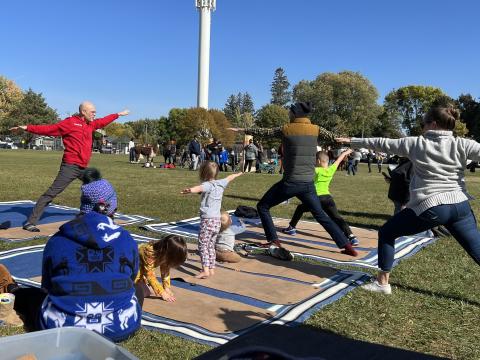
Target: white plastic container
68,343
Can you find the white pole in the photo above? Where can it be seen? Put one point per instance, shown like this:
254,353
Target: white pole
205,8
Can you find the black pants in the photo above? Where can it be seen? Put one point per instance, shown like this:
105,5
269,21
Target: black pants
223,167
248,163
329,206
66,174
28,303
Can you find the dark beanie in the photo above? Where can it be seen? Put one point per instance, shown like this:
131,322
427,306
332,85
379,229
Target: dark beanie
301,109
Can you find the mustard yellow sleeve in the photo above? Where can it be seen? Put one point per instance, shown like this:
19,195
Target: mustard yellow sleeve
147,269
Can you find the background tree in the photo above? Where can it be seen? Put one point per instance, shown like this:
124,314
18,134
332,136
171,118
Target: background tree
410,103
270,116
239,109
31,109
281,96
10,97
220,126
345,102
470,114
387,126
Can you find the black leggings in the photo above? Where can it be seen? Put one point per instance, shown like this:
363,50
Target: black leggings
328,205
248,163
28,303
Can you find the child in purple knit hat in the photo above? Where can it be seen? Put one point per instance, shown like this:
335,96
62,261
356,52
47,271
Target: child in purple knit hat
97,194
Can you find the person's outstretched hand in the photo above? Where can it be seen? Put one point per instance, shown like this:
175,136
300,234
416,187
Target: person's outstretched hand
186,191
343,140
124,112
167,297
18,128
235,129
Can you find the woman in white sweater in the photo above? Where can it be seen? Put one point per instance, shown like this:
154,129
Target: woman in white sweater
438,194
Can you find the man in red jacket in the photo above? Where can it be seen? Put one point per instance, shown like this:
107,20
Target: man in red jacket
77,134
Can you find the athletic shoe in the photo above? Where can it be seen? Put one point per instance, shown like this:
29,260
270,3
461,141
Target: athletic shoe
271,243
376,287
30,227
354,241
290,231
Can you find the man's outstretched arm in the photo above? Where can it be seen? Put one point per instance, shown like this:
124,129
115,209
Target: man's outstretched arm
261,132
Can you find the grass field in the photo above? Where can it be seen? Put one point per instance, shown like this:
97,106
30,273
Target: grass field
435,306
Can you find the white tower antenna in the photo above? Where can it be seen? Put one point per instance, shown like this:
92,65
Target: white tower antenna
205,8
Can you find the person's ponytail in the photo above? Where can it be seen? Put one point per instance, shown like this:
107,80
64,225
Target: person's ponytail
445,117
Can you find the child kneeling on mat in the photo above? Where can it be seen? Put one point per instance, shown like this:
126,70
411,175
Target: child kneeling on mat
210,204
169,252
226,241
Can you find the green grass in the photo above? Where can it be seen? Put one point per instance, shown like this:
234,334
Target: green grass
435,306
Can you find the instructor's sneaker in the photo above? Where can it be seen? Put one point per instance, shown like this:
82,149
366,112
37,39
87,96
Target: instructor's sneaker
30,227
354,241
290,230
271,243
376,287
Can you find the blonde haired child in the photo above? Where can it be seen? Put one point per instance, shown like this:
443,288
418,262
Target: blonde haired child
210,204
224,246
169,252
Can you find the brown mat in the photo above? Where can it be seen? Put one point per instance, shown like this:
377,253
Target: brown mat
263,264
319,242
46,230
209,312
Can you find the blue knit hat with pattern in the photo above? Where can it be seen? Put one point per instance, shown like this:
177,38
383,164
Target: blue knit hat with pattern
100,191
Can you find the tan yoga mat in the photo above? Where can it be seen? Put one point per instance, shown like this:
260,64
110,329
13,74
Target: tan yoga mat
318,241
46,230
265,288
209,312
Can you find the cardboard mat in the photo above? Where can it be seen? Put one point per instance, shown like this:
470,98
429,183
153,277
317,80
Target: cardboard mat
311,240
240,297
17,212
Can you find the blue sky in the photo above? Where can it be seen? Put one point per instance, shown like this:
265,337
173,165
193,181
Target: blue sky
143,54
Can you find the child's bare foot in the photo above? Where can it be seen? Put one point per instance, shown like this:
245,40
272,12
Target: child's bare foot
205,273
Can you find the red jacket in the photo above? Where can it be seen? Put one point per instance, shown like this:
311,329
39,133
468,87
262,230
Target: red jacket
76,134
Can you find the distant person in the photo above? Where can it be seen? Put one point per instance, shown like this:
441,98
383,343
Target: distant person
351,165
380,160
399,184
165,254
172,152
88,272
251,153
131,150
195,150
438,194
370,157
357,157
299,142
210,205
323,177
223,159
213,151
77,134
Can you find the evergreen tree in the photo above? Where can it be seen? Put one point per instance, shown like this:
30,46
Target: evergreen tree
232,109
246,106
280,94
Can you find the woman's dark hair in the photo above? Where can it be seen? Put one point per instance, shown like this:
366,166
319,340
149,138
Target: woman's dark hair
91,175
445,117
171,251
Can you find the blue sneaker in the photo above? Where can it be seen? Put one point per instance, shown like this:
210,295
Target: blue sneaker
290,231
354,241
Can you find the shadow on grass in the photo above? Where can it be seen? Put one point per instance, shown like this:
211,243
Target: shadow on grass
366,214
436,294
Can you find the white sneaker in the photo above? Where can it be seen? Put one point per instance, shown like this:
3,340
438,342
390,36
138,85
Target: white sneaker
376,287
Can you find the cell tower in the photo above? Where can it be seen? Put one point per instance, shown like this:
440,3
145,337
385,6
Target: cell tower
205,8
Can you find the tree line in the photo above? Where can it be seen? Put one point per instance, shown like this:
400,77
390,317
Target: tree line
344,102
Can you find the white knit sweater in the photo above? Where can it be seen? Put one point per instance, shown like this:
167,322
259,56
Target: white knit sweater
439,160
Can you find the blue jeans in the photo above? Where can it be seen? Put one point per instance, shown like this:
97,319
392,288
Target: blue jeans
215,158
457,218
306,193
